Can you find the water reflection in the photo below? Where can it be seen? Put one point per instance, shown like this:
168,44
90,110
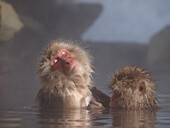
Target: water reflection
57,118
64,118
8,119
133,119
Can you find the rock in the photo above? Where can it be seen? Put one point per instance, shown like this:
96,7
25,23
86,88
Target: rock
10,22
159,48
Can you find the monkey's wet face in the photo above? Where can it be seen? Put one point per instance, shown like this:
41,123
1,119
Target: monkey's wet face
133,89
65,62
139,95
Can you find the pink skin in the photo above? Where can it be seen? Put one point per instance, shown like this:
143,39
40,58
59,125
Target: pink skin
64,62
113,102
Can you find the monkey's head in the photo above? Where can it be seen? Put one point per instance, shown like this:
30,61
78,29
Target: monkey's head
133,89
64,63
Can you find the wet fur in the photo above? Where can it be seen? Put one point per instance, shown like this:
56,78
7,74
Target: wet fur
125,84
59,89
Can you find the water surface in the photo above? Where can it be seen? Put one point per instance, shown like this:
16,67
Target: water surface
31,116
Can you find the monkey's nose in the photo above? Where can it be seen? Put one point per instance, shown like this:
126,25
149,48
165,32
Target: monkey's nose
65,61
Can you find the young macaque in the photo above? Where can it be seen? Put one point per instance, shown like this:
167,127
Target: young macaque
133,89
65,73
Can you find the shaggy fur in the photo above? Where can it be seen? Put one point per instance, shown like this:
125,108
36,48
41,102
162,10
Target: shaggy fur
133,89
60,89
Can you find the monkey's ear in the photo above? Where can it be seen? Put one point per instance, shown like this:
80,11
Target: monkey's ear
141,88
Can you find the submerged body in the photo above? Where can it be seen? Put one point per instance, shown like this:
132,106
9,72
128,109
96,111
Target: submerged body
65,74
133,89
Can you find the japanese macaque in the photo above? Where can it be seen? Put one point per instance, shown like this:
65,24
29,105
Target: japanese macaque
65,73
133,89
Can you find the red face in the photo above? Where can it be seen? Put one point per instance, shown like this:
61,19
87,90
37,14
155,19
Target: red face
64,62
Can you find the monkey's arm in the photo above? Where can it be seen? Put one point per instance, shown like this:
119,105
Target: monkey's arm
100,97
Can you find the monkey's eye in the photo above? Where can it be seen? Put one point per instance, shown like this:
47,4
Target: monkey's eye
63,53
55,61
142,88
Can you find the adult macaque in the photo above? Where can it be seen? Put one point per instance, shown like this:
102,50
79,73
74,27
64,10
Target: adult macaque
65,73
